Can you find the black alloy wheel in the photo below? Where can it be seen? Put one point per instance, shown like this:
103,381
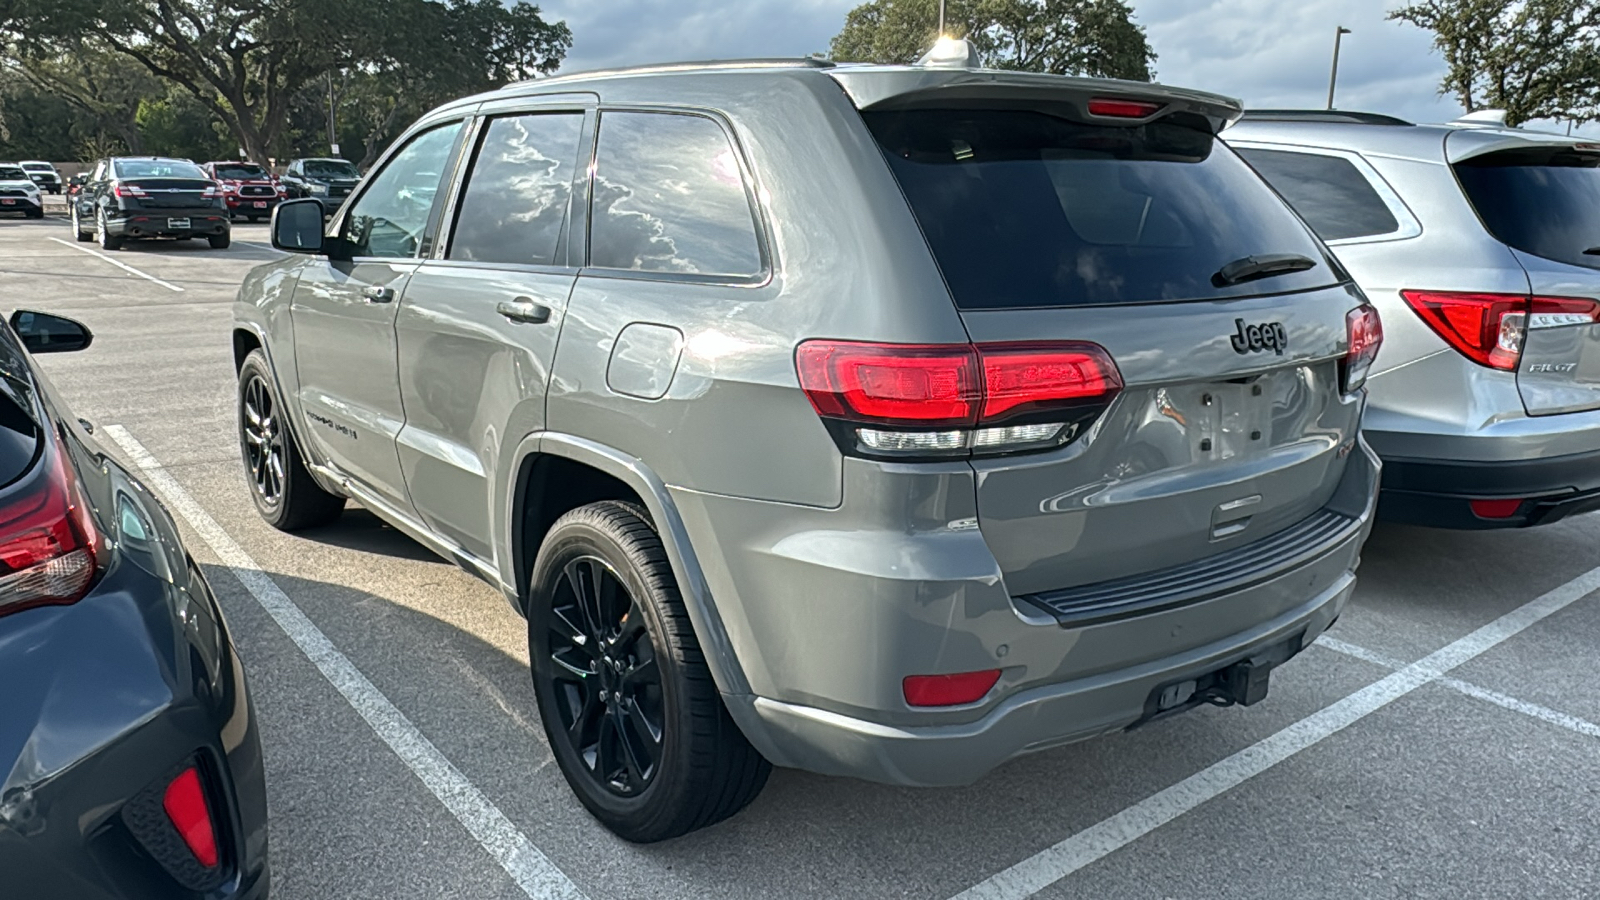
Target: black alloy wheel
607,684
263,440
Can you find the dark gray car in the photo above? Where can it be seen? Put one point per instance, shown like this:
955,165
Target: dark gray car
886,422
130,763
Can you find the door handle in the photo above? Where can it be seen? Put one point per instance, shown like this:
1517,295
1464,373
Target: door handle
523,310
378,293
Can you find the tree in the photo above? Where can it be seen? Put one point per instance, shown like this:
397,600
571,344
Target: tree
1535,59
103,93
1063,37
246,60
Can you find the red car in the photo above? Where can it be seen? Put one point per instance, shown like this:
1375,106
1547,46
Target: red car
251,190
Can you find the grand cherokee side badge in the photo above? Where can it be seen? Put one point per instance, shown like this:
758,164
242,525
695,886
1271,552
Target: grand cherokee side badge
1255,338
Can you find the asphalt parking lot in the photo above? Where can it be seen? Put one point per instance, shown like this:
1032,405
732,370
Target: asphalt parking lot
1442,742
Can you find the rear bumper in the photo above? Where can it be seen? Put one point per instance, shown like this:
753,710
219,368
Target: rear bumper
1438,492
144,223
106,700
834,620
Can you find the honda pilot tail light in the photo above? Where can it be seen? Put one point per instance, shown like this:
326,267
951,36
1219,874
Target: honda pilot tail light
1364,329
48,543
955,399
1489,329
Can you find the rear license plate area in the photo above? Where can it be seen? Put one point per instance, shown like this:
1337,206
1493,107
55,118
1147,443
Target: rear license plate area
178,224
1240,683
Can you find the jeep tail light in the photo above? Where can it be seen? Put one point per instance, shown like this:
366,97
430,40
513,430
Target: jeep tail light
1364,329
949,690
186,807
955,399
128,190
1123,109
1489,329
49,546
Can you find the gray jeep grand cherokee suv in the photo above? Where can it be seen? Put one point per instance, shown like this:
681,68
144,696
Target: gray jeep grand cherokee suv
887,422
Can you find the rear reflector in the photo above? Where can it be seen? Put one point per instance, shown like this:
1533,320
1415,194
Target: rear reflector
185,803
949,690
48,542
1364,330
1489,328
942,398
1123,109
1495,509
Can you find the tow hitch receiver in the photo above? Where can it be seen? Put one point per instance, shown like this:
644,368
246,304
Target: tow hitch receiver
1243,683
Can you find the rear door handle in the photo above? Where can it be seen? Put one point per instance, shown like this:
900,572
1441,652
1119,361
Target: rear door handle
378,294
524,310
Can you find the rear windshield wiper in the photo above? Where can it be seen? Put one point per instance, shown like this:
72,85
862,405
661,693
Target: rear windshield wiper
1592,251
1264,266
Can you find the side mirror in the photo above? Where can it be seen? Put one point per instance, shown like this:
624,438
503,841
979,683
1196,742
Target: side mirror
297,226
45,333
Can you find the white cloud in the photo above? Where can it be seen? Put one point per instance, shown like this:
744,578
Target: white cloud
1269,53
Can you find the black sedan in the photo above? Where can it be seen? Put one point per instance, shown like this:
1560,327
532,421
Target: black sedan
141,197
130,763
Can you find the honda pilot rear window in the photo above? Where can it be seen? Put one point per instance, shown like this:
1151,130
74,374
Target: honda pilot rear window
1027,209
1544,201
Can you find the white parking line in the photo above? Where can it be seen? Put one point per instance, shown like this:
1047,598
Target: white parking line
123,266
530,869
1544,713
1109,835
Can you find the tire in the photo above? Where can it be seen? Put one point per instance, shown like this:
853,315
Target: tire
703,770
82,237
103,235
219,241
285,494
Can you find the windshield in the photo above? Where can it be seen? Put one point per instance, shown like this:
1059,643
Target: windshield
1027,209
240,171
38,167
1544,200
158,168
12,173
330,168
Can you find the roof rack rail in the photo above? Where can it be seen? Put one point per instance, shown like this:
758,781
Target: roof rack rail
1321,115
772,62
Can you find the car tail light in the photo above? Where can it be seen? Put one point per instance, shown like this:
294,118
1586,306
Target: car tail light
128,190
1123,109
955,399
1489,328
1495,509
49,546
1364,329
185,804
949,690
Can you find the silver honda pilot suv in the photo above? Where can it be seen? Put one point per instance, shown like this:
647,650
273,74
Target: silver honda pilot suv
886,422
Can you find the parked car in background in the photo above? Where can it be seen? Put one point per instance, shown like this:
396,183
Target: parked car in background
327,181
130,762
1480,245
145,197
904,419
249,190
43,174
19,193
75,183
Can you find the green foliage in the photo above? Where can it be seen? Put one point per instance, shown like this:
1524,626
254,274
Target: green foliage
1063,37
251,63
1535,59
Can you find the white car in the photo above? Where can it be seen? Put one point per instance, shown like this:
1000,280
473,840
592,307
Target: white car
43,174
18,193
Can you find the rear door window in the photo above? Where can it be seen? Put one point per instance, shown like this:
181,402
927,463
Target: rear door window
1329,192
1543,200
1026,209
669,197
518,190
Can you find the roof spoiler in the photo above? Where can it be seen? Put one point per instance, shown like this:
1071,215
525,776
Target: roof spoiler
906,87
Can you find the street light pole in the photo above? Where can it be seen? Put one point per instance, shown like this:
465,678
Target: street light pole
333,133
941,18
1333,80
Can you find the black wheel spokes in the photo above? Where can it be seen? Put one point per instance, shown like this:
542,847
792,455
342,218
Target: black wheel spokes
263,442
608,683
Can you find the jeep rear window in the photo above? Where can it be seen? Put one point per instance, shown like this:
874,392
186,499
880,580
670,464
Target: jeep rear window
1026,209
1542,200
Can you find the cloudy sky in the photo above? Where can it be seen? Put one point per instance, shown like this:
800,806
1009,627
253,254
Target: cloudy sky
1266,52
